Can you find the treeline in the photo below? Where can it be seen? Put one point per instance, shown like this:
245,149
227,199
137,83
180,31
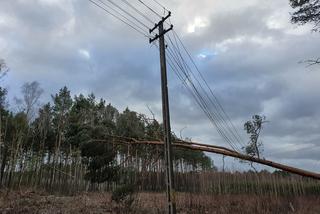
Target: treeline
77,143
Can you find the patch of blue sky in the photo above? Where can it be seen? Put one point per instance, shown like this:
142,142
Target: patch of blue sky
205,55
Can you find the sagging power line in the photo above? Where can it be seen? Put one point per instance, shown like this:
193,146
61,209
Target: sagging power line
210,106
197,84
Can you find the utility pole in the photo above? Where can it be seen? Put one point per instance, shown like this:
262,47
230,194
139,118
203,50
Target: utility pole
165,113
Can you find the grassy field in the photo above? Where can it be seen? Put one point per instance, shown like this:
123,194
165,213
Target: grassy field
30,202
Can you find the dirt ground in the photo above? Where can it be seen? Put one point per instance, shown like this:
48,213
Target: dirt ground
30,202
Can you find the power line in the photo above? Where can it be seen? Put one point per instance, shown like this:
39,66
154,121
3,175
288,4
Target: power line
129,14
199,100
217,115
184,67
120,19
202,102
157,3
157,14
123,16
229,124
138,11
161,5
216,107
215,97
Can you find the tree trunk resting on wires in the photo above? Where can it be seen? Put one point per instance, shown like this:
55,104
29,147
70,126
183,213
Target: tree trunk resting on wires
228,152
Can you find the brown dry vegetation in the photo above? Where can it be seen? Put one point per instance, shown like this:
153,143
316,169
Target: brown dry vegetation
77,151
30,202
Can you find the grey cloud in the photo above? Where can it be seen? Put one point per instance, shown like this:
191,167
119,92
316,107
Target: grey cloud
259,74
311,153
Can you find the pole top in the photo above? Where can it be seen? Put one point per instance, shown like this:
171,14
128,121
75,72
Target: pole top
160,22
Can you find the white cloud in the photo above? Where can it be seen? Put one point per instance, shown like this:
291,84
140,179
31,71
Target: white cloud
198,23
84,53
206,54
280,19
226,44
255,41
202,56
6,21
262,41
67,28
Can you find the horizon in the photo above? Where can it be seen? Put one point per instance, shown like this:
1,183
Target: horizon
250,60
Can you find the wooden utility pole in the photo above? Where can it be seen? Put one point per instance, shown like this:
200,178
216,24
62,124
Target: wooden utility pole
166,114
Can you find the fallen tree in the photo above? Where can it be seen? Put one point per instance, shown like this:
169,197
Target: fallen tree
228,152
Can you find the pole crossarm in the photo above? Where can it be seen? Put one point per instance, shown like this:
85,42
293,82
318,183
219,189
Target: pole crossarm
157,25
161,22
158,36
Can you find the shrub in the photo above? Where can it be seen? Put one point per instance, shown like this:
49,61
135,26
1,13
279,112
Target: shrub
123,194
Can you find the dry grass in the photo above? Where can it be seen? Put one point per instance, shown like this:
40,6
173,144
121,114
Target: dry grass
29,202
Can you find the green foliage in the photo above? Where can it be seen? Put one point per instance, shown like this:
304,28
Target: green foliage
62,103
100,158
3,96
20,124
253,128
90,120
70,135
196,159
154,130
130,124
282,173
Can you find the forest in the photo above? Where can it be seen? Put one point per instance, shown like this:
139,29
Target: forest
67,152
72,142
75,145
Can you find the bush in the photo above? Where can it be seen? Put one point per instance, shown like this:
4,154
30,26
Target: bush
123,194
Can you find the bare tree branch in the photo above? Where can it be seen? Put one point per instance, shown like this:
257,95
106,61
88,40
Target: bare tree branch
311,62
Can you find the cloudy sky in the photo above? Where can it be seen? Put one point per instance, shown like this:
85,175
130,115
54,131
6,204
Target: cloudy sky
248,51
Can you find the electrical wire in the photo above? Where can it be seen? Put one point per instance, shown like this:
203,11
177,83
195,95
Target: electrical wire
200,100
123,16
120,19
157,14
203,104
218,106
138,11
161,5
216,115
179,65
213,103
129,14
206,83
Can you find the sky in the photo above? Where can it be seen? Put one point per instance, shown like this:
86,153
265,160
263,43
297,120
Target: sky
248,51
